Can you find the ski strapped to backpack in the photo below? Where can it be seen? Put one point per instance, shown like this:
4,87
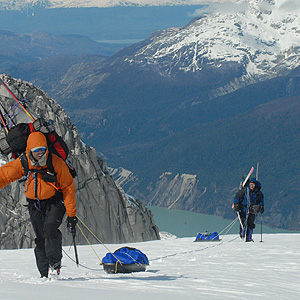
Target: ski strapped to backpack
3,122
242,185
247,177
18,101
16,135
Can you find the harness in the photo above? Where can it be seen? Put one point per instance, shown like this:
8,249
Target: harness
48,175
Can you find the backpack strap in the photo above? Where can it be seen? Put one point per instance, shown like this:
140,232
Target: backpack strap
31,127
50,164
47,176
24,162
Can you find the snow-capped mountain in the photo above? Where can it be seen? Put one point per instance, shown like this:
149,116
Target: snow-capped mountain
159,91
23,4
260,39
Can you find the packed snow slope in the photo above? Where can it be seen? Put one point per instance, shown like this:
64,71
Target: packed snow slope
179,269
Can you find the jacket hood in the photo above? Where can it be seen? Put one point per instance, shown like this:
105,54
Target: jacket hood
35,140
252,179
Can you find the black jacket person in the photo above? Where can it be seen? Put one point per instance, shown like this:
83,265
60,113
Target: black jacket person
248,202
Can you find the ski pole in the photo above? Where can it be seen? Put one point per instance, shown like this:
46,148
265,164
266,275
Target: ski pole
261,240
242,225
75,248
238,213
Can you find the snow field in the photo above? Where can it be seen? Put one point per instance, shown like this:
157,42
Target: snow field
179,269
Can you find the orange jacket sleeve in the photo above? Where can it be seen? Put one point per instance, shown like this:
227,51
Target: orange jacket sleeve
10,172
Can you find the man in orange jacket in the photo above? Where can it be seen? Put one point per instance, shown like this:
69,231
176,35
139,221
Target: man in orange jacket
48,200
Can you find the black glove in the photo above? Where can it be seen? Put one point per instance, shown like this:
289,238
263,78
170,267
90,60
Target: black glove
71,224
236,206
261,209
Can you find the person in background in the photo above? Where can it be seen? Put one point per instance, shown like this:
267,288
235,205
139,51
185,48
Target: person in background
248,202
49,197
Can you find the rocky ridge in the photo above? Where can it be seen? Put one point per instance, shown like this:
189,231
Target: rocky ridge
102,205
173,191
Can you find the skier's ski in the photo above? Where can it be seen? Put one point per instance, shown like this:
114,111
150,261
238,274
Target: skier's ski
242,185
3,122
257,169
248,176
18,101
242,233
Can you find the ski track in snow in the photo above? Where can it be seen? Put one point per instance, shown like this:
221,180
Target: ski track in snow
179,269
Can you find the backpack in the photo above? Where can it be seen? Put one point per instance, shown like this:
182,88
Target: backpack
15,142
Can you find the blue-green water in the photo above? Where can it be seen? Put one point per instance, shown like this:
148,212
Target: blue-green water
187,224
112,23
129,41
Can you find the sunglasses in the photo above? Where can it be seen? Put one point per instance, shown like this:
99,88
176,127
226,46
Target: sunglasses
40,149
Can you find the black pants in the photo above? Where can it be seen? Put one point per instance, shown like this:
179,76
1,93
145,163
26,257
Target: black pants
249,226
46,220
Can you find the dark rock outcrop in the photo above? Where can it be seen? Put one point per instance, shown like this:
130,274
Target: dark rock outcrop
103,206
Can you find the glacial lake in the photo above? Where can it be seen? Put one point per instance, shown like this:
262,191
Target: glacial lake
187,224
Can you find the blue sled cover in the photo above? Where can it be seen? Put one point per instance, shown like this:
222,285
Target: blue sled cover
207,237
125,260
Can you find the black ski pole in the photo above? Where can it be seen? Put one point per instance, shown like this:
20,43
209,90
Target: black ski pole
75,248
261,228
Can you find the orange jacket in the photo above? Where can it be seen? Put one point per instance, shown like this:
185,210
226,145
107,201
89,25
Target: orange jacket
14,170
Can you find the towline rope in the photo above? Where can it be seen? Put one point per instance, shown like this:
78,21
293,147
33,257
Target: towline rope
229,226
117,260
101,263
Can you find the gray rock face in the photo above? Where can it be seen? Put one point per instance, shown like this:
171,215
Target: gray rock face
103,206
174,191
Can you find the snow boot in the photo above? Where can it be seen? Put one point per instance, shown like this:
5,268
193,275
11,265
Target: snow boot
54,271
249,235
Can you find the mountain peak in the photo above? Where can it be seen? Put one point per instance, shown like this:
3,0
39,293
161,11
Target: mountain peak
261,38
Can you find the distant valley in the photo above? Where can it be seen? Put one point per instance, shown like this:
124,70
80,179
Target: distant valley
119,25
